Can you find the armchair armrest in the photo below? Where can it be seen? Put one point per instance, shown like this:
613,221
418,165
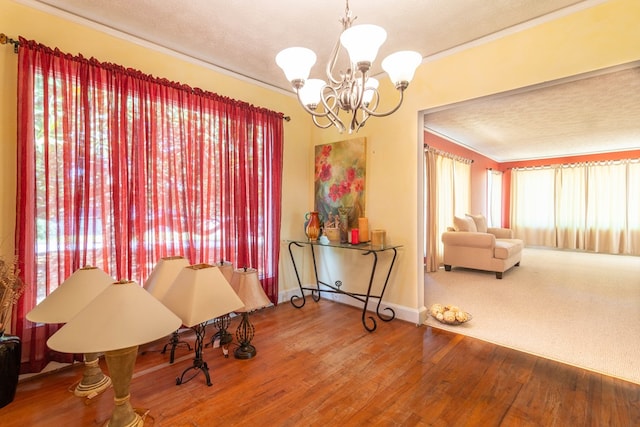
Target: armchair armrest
469,239
501,233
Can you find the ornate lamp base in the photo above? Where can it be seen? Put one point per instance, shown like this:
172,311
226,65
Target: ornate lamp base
121,364
174,342
94,381
199,365
246,351
244,335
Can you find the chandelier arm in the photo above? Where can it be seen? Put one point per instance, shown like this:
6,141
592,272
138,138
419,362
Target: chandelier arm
332,63
321,126
365,116
386,113
357,93
332,111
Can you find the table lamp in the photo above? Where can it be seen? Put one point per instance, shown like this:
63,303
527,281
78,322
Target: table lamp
116,322
65,302
200,293
222,322
158,283
246,284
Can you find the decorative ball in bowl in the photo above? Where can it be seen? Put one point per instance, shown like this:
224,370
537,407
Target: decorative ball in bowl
449,314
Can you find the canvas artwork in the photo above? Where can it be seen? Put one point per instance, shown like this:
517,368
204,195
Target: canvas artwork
340,181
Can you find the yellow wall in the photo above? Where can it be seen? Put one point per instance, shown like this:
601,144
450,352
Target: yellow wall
598,37
55,31
591,39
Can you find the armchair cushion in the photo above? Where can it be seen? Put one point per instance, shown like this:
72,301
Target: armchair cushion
480,221
501,233
464,224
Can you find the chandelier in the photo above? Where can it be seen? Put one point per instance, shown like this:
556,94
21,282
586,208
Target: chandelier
354,92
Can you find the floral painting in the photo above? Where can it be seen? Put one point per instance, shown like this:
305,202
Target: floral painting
340,180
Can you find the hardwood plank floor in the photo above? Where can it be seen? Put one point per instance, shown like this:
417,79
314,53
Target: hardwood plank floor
317,366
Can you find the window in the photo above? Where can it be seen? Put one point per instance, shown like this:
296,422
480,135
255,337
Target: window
118,169
592,206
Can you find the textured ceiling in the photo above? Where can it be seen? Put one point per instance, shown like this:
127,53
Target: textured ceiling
244,36
593,114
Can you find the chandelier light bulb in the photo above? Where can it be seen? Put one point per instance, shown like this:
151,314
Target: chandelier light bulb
296,62
401,66
310,93
362,42
370,87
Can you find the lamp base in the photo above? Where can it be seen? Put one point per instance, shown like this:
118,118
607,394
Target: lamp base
121,363
198,363
224,337
245,351
174,342
137,421
244,335
94,381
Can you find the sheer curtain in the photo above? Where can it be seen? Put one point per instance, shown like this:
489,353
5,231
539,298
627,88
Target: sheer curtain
494,198
117,169
586,206
448,183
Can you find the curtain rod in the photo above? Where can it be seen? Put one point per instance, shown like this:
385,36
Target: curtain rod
448,155
4,40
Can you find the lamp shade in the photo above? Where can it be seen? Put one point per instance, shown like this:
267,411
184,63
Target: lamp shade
401,66
71,296
163,275
296,62
370,87
362,42
200,293
227,269
310,92
123,315
246,284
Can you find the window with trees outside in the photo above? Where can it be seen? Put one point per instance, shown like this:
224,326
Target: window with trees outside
117,169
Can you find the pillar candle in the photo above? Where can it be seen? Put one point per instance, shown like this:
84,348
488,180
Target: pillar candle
363,226
354,236
378,237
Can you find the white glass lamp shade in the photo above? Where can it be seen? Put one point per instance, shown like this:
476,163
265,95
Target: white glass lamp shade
310,93
362,42
296,62
71,296
370,87
201,293
248,287
401,66
124,315
163,275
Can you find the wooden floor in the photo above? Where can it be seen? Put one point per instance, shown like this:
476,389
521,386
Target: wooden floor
317,366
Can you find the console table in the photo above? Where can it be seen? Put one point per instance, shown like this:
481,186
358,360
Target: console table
366,250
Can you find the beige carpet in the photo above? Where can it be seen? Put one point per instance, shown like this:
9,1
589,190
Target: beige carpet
577,308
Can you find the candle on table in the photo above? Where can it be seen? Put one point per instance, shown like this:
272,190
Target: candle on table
378,237
363,226
354,236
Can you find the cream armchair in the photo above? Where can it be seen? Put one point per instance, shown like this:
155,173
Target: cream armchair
490,249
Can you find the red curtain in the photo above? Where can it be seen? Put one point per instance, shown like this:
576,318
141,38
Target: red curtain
117,169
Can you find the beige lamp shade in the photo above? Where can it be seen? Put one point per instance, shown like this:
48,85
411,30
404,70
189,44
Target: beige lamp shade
71,296
246,284
201,293
227,269
163,275
122,316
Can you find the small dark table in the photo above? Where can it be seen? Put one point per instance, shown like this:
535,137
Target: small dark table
335,288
